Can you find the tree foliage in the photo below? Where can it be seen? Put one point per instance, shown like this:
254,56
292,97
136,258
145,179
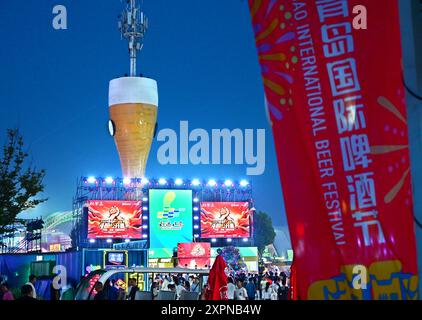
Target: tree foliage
20,181
264,233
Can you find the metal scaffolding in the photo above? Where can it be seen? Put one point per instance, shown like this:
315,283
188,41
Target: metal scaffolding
118,189
24,237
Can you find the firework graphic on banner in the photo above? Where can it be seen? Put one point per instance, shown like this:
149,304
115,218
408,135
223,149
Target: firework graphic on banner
278,60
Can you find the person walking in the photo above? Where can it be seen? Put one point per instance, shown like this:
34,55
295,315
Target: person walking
282,290
195,286
240,293
132,289
31,283
155,288
101,294
251,289
267,293
262,285
231,288
26,293
186,285
110,290
164,285
7,295
179,287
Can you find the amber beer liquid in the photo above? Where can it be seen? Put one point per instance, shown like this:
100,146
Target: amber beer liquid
133,108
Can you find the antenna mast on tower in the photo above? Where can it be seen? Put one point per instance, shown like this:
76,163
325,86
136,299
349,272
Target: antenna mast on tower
133,25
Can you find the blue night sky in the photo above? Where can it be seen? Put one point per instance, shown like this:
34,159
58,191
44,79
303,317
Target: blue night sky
54,87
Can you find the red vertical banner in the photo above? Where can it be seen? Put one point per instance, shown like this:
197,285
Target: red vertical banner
217,281
337,106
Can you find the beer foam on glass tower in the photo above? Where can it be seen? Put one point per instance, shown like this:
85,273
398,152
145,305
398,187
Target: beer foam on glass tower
133,101
133,110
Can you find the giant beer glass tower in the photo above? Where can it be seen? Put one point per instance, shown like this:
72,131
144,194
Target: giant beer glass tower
133,101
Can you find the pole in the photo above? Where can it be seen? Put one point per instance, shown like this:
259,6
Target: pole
133,25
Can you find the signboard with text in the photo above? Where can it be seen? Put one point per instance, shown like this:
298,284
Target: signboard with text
337,107
170,217
114,219
225,220
194,255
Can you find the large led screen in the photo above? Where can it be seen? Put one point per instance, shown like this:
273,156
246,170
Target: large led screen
114,219
225,220
194,255
170,217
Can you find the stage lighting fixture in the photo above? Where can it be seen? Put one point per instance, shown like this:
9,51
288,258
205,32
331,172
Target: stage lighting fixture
145,226
144,181
145,199
91,240
229,239
109,180
126,181
195,218
212,183
144,236
178,182
109,241
196,236
195,199
196,226
196,182
244,183
127,240
245,239
195,208
145,208
145,217
92,180
228,183
162,181
213,240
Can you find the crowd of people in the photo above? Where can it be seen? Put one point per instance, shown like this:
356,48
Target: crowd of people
177,284
27,291
268,286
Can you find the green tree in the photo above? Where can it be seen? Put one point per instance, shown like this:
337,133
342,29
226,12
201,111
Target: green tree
264,233
20,181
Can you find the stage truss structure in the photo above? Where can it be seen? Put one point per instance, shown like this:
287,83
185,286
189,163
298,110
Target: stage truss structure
119,189
24,237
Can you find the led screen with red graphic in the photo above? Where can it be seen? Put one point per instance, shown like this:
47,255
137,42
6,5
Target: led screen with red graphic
114,219
194,255
225,219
